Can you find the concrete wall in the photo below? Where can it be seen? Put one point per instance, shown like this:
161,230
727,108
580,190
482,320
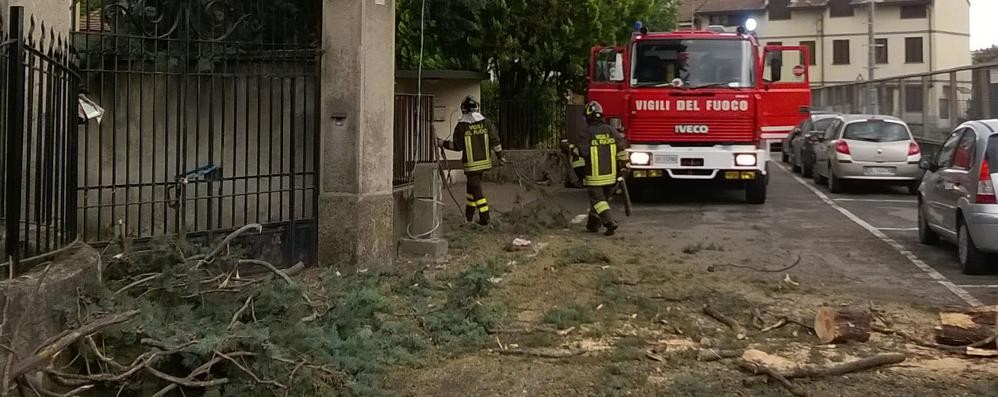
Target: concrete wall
55,14
355,200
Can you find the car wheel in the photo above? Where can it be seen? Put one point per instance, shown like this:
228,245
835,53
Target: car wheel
834,183
913,188
971,259
786,157
818,178
806,171
926,235
794,166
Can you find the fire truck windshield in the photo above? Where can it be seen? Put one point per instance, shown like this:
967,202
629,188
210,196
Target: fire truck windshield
698,63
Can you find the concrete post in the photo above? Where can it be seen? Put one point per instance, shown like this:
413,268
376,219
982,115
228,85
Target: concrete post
424,229
358,73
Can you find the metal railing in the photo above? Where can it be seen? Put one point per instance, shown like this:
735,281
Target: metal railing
38,139
414,140
527,124
932,104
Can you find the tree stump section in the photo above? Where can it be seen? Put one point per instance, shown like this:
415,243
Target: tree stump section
835,326
972,327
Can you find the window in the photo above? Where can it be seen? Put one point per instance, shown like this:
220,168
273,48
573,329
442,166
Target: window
811,48
963,159
833,129
697,62
945,159
823,124
914,12
879,131
944,105
841,8
913,50
913,95
779,10
840,52
605,66
881,51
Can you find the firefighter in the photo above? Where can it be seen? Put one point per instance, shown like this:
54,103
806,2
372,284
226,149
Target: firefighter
476,137
603,150
577,162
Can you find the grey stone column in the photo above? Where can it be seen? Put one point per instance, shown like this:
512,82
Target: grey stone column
358,73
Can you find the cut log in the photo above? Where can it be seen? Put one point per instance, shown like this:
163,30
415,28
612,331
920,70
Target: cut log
976,327
842,325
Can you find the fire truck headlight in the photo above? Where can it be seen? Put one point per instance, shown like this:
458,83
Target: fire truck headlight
751,24
745,160
640,158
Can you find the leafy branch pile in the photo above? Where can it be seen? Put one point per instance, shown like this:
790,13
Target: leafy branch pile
167,321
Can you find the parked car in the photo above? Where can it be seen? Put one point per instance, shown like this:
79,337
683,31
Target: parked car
878,149
799,145
957,197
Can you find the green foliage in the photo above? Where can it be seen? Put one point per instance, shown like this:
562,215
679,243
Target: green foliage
529,49
464,320
693,385
569,315
986,55
578,254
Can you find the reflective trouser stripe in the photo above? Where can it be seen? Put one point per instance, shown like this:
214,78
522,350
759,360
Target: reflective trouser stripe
622,156
601,207
578,163
483,208
471,204
600,181
481,202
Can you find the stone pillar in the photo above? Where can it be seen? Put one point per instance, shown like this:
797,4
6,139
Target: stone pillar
424,229
358,73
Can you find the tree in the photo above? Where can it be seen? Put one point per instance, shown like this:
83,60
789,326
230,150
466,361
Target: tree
986,55
535,48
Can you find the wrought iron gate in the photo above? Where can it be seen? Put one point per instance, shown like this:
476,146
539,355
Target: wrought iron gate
210,120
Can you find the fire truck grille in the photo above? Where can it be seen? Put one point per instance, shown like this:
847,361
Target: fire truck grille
668,130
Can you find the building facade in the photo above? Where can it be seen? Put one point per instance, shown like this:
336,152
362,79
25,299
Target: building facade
912,36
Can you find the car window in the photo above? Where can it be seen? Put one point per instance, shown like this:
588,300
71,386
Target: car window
945,159
876,131
821,125
963,158
833,129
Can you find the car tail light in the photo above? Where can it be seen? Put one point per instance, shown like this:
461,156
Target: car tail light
842,147
914,149
985,187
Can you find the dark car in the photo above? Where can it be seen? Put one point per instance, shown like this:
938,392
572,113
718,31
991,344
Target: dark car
799,148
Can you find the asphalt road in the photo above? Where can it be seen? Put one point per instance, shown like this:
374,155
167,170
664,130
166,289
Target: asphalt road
894,213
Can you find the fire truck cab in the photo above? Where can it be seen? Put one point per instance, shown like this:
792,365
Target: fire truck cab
702,105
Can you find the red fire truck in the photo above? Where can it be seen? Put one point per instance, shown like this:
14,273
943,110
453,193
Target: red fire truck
702,105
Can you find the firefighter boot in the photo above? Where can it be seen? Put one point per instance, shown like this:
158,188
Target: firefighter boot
592,223
469,213
483,218
611,228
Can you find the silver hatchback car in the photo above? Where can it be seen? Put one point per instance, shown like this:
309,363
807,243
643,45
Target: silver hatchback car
868,148
957,197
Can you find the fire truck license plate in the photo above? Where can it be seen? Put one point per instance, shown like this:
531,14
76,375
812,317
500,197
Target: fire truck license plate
667,159
879,171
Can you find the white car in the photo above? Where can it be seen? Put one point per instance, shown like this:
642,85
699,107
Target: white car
878,149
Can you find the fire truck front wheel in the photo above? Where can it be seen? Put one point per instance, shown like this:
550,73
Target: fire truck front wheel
755,192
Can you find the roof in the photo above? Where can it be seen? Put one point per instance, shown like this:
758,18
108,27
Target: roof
722,6
687,8
442,75
849,118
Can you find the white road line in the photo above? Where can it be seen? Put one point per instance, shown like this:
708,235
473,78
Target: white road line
898,229
935,275
877,201
977,286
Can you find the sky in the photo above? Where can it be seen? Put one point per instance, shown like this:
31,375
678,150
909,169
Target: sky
983,26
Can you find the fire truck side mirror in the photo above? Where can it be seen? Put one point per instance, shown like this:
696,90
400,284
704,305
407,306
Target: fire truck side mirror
617,74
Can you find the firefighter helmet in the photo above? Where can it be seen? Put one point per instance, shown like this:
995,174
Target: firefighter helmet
469,105
594,111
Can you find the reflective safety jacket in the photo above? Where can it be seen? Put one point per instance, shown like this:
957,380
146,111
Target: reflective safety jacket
476,140
602,148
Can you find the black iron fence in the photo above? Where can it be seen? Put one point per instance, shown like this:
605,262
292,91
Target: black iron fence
38,140
414,137
527,124
933,104
210,123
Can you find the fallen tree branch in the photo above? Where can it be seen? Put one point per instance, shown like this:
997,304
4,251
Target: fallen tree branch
47,352
717,354
713,268
757,320
210,256
250,373
100,355
779,324
185,382
740,332
920,342
542,353
137,283
238,313
268,266
842,369
758,369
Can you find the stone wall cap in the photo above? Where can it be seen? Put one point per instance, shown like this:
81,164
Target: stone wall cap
442,75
